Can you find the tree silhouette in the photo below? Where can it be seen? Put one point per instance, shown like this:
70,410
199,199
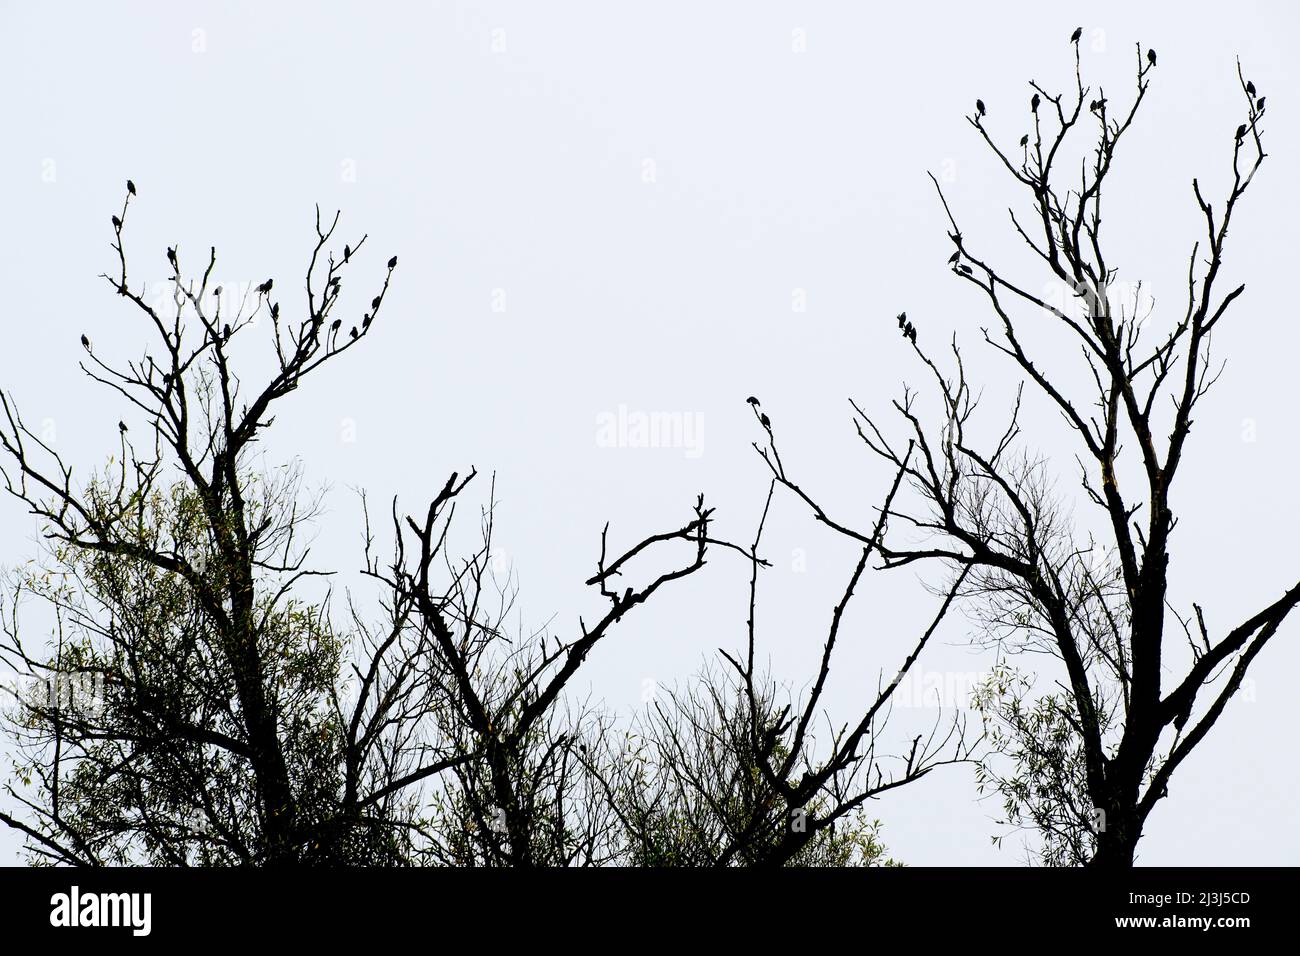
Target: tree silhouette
229,721
1095,757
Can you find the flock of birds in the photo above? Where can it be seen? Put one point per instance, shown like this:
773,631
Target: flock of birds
263,289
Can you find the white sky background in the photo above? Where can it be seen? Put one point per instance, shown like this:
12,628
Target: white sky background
522,170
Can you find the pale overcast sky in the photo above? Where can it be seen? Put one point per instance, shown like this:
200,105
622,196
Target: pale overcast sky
619,209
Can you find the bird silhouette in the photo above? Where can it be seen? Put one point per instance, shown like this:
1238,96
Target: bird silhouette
225,332
966,270
979,107
1074,37
121,426
1260,105
265,287
1097,105
1241,132
374,303
365,321
347,253
275,310
85,343
1151,57
171,256
752,400
334,326
117,223
353,332
217,291
902,319
130,187
1024,140
1033,104
952,259
767,422
1250,88
392,263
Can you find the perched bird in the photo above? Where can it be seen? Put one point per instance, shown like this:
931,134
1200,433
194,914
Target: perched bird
225,332
171,256
121,426
85,343
117,223
1151,57
910,332
1241,132
1034,103
392,263
365,320
966,270
130,187
767,422
1074,37
752,400
275,310
979,107
1024,140
217,291
353,332
347,253
265,287
902,319
1097,105
374,303
334,326
1250,88
952,259
1260,105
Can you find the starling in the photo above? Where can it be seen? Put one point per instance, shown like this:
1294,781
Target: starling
334,326
225,332
374,303
767,422
979,107
85,343
365,321
353,332
1074,37
121,426
952,259
1151,57
392,263
275,310
171,256
902,319
1250,88
117,223
347,253
130,187
752,400
1260,105
1033,104
1024,140
265,287
1241,132
966,270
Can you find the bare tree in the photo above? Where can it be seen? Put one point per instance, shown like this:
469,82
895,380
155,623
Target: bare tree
733,771
1095,756
525,788
175,579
